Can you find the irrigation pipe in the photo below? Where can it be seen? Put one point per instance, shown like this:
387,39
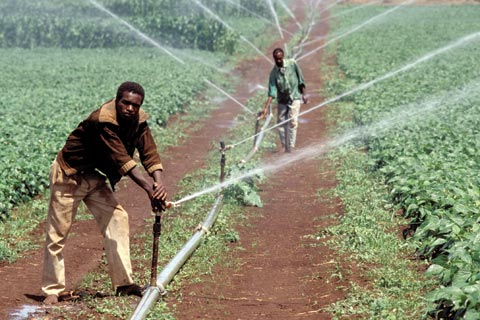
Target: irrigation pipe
258,139
153,293
166,275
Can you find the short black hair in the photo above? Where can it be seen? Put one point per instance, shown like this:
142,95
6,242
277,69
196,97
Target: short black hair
277,50
130,86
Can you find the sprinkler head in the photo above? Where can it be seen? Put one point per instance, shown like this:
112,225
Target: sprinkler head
170,204
227,147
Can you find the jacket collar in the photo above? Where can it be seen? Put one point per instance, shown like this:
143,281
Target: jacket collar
108,113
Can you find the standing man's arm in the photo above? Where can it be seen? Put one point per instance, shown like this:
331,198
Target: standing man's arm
301,83
272,93
263,113
303,90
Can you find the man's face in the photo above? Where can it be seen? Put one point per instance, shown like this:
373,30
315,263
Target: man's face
129,106
278,57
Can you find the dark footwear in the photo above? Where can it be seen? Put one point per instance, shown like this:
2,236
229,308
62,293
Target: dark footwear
50,299
130,290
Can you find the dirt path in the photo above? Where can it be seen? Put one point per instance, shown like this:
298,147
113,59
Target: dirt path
281,275
85,245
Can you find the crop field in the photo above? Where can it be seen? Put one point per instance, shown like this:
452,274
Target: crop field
49,91
62,59
426,141
419,119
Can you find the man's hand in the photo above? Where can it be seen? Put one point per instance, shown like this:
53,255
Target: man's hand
262,114
158,197
304,98
159,191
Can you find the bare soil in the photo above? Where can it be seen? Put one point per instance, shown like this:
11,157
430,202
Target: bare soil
283,274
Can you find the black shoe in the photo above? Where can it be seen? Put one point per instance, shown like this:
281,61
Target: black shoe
130,290
50,299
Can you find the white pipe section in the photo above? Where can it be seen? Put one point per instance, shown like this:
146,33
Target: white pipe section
166,275
258,139
153,294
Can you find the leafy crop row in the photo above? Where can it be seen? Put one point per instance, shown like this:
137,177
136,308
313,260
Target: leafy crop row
430,160
71,24
47,92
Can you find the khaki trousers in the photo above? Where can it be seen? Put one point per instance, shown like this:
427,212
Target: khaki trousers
285,112
66,192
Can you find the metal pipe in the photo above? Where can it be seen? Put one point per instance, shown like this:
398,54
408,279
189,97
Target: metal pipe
157,227
154,292
257,127
174,265
262,131
286,126
149,298
222,161
258,139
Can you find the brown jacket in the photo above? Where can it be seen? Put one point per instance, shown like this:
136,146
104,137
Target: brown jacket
101,142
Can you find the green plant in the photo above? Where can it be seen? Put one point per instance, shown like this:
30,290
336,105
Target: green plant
428,162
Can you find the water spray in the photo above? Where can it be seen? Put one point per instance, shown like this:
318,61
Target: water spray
311,23
290,13
320,148
426,57
229,96
358,27
157,45
139,33
216,17
256,15
400,116
275,17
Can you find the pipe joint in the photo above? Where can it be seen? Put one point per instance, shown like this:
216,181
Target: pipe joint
161,289
201,227
224,148
170,204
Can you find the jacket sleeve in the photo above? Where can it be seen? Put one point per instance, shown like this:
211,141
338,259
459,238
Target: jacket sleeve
147,150
114,150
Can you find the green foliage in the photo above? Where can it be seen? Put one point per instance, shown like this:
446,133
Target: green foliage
429,161
244,191
363,235
49,91
70,24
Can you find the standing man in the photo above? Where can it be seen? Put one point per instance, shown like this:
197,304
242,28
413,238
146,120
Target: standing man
287,85
101,148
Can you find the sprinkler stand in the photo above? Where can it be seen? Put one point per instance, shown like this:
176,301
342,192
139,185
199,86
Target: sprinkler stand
257,127
287,136
157,227
222,161
286,128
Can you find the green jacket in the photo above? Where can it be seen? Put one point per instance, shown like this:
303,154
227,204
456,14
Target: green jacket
284,83
101,142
